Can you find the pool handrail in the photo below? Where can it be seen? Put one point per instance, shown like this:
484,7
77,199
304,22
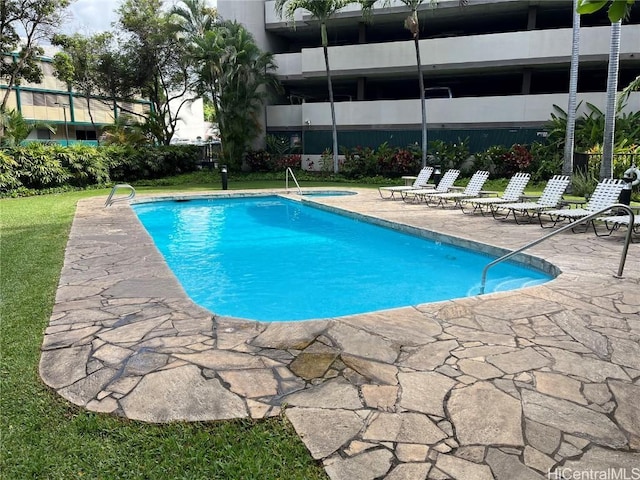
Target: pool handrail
286,181
591,216
110,200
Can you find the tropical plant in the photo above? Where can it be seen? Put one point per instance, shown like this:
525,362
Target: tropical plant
583,183
247,80
634,86
322,10
617,9
452,155
16,128
9,177
232,73
86,164
126,130
38,168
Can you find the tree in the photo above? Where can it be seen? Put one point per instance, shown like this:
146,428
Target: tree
606,165
617,10
157,60
36,20
412,24
79,60
322,10
233,74
247,79
570,136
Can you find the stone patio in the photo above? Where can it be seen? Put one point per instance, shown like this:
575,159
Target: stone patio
502,386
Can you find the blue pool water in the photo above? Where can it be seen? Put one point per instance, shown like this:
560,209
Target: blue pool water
328,193
274,259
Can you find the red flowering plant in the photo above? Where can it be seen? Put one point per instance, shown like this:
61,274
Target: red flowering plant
517,159
292,160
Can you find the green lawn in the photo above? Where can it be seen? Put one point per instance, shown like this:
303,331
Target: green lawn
45,437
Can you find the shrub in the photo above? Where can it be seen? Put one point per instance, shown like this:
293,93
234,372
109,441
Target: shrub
38,168
9,174
517,159
452,155
291,160
491,160
545,162
359,162
86,164
583,183
258,160
405,162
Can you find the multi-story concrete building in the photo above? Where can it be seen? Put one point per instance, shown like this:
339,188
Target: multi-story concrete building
503,63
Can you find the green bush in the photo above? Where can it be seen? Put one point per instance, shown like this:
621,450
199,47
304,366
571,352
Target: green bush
9,175
491,160
453,155
86,164
37,167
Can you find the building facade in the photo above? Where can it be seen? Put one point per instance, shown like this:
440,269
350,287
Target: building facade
497,66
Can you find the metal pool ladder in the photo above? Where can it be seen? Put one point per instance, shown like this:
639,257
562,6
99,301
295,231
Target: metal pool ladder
110,200
286,181
625,247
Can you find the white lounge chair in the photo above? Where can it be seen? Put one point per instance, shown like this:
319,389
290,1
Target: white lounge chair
605,195
512,193
444,185
421,181
614,222
472,189
551,196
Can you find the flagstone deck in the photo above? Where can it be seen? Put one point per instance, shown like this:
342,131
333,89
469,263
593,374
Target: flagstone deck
505,386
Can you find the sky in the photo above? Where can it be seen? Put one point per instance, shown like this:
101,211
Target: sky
94,16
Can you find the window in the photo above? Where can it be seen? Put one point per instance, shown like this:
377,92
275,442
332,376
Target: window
43,134
39,99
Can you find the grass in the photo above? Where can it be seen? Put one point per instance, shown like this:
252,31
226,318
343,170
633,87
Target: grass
45,437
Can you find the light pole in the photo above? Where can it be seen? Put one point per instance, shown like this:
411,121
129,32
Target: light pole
66,127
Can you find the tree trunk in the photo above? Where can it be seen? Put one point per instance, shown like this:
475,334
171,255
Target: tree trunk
606,167
423,102
570,135
334,128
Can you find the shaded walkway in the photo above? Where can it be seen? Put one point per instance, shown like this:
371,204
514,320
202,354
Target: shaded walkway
503,386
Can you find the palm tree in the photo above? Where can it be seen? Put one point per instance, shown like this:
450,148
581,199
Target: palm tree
570,135
634,86
194,18
247,78
412,24
322,10
606,166
617,10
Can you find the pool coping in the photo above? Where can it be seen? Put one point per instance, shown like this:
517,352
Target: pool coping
124,339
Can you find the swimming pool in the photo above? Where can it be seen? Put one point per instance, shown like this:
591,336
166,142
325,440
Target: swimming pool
275,259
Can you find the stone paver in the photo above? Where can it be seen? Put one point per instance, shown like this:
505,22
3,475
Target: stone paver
503,386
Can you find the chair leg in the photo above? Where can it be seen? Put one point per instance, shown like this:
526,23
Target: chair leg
586,227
